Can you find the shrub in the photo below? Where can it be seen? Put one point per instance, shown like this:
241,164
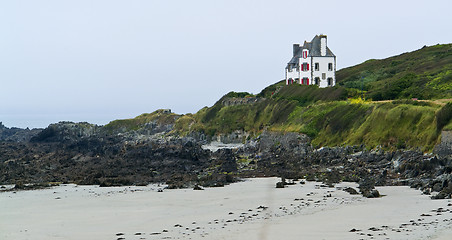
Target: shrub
443,116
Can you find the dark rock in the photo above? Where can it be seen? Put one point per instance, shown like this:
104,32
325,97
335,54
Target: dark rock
444,149
371,193
17,134
227,160
280,185
197,187
437,187
441,195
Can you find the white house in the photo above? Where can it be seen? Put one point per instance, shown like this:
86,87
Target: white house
312,63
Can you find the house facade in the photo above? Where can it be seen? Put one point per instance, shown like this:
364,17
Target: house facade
312,63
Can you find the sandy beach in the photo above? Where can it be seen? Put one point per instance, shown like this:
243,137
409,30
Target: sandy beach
252,209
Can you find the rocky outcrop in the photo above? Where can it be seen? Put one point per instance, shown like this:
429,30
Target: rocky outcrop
66,132
444,148
234,137
107,161
226,160
279,154
89,154
17,134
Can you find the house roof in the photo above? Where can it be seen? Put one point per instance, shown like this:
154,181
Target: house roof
314,50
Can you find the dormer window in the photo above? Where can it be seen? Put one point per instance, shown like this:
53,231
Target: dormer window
305,53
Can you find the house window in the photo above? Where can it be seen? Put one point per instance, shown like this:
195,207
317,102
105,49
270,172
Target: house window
330,67
323,76
290,81
317,81
305,81
330,82
305,67
305,54
316,66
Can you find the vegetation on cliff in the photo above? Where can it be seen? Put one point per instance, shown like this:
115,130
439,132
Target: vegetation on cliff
341,115
423,74
161,117
390,125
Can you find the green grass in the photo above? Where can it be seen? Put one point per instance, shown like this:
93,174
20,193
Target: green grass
423,74
395,126
306,95
159,116
386,125
220,119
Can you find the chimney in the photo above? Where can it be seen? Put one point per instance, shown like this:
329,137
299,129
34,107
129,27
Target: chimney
296,47
322,45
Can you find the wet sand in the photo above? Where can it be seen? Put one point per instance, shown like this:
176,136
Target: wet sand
253,209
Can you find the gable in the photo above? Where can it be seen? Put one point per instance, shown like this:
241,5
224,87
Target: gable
313,48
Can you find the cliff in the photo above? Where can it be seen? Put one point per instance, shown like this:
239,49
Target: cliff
329,135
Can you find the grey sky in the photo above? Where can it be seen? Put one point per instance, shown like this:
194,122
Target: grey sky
96,61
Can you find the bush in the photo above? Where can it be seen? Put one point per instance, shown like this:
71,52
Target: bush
443,116
306,95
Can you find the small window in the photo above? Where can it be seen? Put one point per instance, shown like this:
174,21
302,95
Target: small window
316,66
330,82
330,67
323,76
305,67
305,81
317,81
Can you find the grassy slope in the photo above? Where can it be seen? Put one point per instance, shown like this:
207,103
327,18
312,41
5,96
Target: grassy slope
159,117
333,116
423,74
393,125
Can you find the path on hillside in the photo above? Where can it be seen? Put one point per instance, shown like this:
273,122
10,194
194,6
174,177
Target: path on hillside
441,102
